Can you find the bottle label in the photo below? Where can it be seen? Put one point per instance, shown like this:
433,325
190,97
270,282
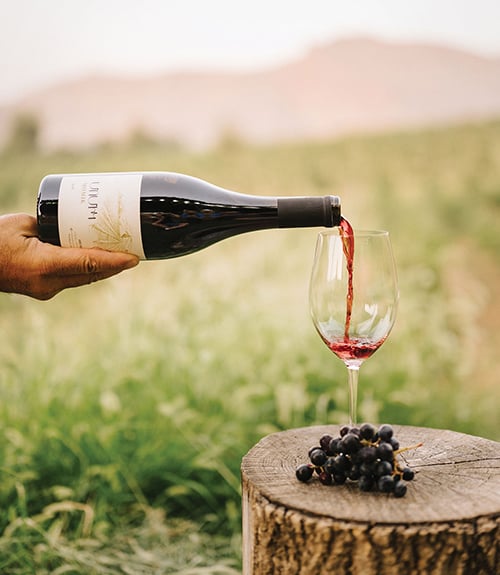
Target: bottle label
101,210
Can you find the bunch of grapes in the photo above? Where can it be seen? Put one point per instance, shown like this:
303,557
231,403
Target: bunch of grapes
364,454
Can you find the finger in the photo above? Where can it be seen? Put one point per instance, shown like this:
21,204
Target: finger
62,268
27,224
70,260
20,222
85,262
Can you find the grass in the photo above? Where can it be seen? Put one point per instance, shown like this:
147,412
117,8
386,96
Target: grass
126,406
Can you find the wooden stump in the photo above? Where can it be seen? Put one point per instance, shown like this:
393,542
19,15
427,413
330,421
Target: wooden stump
448,523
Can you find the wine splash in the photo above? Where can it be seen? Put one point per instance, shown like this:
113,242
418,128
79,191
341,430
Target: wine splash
354,348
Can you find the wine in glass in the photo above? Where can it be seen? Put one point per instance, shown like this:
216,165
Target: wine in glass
353,296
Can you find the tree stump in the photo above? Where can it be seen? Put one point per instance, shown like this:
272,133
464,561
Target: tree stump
448,523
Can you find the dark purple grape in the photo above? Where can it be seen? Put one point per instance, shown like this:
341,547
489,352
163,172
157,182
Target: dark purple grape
343,463
395,443
385,432
324,441
367,469
333,447
311,449
355,473
383,468
325,478
385,451
385,484
400,489
367,454
366,483
350,444
340,477
408,474
318,457
304,473
367,431
344,430
330,466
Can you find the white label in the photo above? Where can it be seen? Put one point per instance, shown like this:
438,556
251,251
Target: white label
101,210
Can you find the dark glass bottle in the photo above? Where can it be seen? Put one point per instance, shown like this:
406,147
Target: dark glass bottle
163,214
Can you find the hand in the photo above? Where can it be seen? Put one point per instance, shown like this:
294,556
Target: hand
41,270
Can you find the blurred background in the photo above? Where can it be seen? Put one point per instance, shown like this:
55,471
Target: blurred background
126,406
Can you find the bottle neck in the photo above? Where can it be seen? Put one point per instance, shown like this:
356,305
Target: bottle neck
301,212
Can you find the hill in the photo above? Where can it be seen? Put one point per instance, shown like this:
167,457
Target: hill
343,87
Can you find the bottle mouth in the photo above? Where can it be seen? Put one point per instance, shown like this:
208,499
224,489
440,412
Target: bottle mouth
305,211
334,209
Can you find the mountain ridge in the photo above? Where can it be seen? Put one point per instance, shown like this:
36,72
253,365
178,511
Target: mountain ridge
337,88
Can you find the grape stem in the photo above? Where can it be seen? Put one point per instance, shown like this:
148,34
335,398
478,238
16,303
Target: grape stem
403,449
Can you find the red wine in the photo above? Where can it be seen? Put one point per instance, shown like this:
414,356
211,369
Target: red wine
347,235
355,348
159,215
351,348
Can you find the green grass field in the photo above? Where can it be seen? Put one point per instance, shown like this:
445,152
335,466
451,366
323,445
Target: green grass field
126,406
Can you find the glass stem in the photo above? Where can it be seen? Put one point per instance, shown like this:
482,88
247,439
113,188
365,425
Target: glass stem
353,374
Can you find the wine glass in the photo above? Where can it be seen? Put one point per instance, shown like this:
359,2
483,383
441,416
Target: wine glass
353,296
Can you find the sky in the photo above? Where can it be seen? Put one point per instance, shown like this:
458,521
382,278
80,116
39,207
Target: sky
43,42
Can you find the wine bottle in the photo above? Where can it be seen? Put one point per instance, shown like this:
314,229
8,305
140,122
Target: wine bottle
158,215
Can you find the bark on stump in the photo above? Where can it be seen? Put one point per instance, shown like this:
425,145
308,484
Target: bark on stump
448,523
